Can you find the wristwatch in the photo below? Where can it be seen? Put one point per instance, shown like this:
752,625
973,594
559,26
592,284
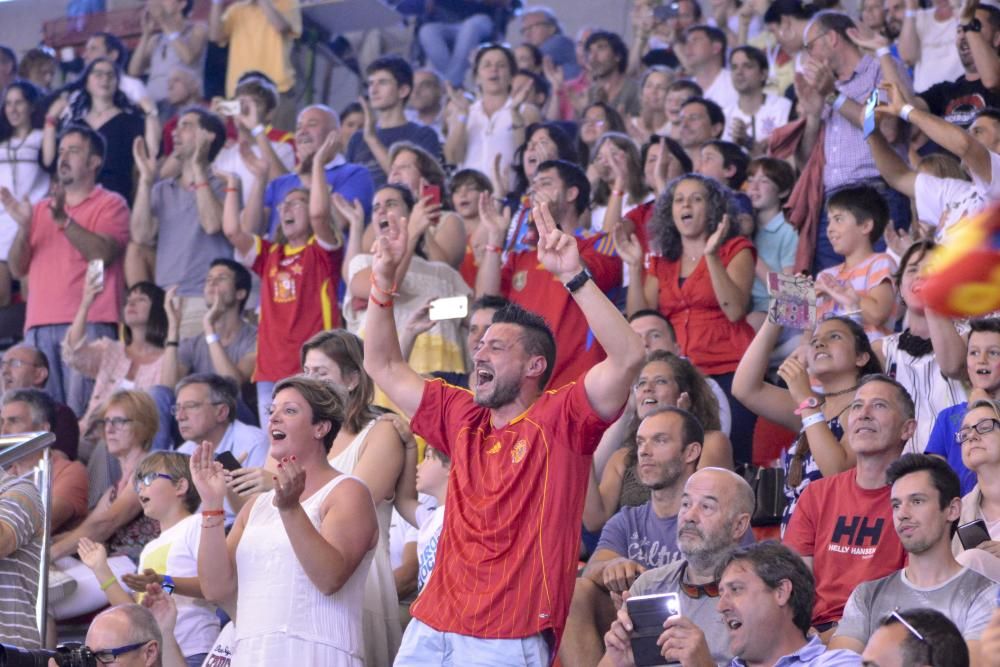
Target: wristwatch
810,403
972,26
578,281
168,583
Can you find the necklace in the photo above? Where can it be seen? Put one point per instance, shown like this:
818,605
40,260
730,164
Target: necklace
841,392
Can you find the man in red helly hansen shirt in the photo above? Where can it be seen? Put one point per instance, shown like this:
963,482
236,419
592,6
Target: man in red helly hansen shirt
523,280
506,560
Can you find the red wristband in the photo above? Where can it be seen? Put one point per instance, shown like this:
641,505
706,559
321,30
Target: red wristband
213,513
380,304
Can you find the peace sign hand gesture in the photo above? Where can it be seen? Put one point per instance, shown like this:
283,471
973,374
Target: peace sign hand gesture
557,250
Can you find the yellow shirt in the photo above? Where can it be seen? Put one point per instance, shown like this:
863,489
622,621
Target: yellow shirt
254,44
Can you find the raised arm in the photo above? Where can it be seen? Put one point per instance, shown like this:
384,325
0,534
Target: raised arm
370,136
607,383
21,211
209,206
92,246
330,555
896,173
241,240
984,54
216,28
354,214
143,225
640,286
384,360
255,216
749,388
456,116
731,284
171,368
949,137
78,329
950,348
909,39
320,216
496,223
216,552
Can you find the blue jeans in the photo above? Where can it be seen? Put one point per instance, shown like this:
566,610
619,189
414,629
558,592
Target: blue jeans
195,660
66,385
424,646
899,216
448,45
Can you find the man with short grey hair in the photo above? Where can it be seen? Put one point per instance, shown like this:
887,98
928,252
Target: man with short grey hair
540,27
714,514
127,634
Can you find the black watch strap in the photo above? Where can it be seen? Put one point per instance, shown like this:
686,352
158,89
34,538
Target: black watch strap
578,281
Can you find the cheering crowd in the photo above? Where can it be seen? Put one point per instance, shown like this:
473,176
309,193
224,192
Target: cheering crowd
469,371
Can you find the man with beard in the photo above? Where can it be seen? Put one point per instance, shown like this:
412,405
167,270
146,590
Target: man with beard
78,223
315,123
840,524
520,455
564,186
926,504
607,60
713,516
635,539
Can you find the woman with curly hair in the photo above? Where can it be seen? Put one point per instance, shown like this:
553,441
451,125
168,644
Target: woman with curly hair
665,380
699,278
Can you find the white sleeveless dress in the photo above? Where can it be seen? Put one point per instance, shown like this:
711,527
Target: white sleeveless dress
381,619
283,617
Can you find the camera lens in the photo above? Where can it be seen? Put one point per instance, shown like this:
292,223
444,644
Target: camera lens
12,656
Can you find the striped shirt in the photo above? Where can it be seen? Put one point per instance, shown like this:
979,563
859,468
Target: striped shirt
508,553
863,277
21,514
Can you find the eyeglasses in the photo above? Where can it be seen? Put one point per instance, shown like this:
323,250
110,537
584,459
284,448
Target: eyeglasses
149,478
109,656
190,405
982,427
15,364
527,28
913,631
807,46
113,423
695,591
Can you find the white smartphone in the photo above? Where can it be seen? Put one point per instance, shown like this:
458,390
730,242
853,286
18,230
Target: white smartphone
95,271
449,308
229,107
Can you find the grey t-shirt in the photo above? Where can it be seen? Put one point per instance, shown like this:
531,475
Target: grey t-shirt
184,251
967,599
194,354
702,612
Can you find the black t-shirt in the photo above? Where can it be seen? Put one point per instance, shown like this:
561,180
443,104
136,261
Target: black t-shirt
959,101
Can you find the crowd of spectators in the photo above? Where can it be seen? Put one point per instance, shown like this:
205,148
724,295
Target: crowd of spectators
453,374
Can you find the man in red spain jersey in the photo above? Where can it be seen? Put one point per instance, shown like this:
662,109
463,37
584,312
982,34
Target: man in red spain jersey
507,556
523,280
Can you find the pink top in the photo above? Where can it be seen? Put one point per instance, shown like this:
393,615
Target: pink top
105,361
57,269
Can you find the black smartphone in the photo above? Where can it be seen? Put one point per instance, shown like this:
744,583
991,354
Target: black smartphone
974,533
648,614
228,461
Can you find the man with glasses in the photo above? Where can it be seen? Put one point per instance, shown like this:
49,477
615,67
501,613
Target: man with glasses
126,635
713,516
916,638
841,525
836,81
926,504
540,27
26,367
206,412
26,410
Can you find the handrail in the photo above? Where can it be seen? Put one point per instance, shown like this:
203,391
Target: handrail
17,446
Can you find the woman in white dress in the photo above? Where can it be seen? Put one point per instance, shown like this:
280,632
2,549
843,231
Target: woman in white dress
371,450
297,557
21,170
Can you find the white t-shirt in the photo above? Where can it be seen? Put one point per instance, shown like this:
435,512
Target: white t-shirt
773,113
229,161
175,552
990,191
222,652
487,136
431,522
721,91
938,54
942,202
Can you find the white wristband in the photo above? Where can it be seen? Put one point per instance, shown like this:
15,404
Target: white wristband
211,338
905,112
839,102
910,14
257,131
812,420
882,51
172,36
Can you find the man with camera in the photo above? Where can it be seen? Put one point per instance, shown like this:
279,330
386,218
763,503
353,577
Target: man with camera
714,514
926,503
